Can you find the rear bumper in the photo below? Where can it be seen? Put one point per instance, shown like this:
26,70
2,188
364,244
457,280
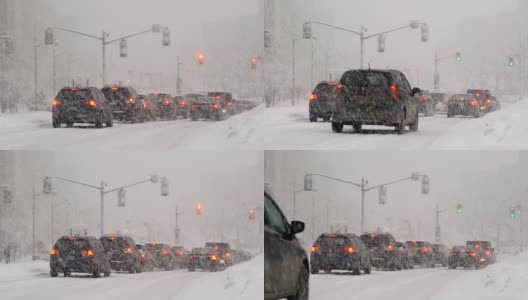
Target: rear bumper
89,117
388,116
462,109
346,262
76,266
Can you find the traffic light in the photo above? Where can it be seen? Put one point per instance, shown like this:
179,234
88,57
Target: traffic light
164,187
253,63
307,31
381,43
166,37
46,187
511,61
459,208
198,209
121,198
308,183
267,39
425,184
200,59
123,48
49,39
8,196
425,33
458,57
512,213
382,199
252,214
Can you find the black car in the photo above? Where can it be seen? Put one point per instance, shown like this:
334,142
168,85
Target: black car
427,104
321,101
223,249
72,254
339,252
375,97
423,254
150,109
146,258
122,252
465,256
183,107
225,100
487,249
125,103
181,256
81,105
464,104
206,259
407,254
165,105
208,109
488,103
286,267
384,252
440,254
163,257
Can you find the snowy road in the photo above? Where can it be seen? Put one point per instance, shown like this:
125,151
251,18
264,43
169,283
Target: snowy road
33,131
32,281
288,128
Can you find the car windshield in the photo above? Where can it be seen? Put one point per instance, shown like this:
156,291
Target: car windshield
114,94
274,218
461,97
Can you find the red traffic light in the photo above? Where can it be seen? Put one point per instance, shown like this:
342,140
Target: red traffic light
253,63
252,214
200,59
198,209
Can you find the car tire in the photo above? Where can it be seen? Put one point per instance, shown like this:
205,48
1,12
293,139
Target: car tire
313,119
357,128
368,268
314,269
110,122
191,269
96,273
108,272
356,270
303,288
69,124
67,273
54,273
56,124
400,127
451,267
414,126
337,127
99,121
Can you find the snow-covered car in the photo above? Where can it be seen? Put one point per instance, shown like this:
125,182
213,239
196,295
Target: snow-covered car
125,103
485,246
163,257
464,104
427,104
85,105
225,100
488,103
286,267
206,258
166,107
407,253
146,258
465,256
339,252
73,254
440,254
122,252
423,253
181,255
223,249
150,108
321,101
383,250
183,107
375,97
208,109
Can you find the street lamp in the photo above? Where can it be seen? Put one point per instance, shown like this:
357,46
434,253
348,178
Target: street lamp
308,186
47,189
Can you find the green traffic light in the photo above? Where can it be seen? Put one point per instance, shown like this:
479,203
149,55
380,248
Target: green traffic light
510,64
459,210
459,59
512,216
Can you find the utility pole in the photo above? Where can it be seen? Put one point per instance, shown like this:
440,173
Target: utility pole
293,68
54,69
178,79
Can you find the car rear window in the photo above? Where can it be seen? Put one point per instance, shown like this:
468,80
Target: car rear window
115,243
116,94
72,245
325,91
201,251
74,94
366,79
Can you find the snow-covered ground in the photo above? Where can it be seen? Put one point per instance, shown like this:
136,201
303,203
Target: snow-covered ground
505,280
31,280
288,128
33,131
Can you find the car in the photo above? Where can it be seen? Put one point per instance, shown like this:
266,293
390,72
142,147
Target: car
440,254
125,103
225,100
423,253
183,107
427,104
488,103
286,266
166,108
375,97
207,108
146,258
163,257
339,252
465,256
463,104
181,255
485,246
223,249
122,252
75,254
407,253
383,248
205,259
321,100
85,105
150,108
440,100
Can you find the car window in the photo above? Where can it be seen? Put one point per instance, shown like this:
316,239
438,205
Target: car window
402,83
365,79
274,218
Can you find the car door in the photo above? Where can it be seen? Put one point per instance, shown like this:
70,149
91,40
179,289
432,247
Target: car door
406,91
280,267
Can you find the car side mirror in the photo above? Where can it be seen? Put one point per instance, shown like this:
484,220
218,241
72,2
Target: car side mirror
416,91
297,227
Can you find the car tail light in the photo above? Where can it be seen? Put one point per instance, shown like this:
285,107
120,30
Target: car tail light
313,97
89,253
472,254
191,256
477,246
472,103
180,253
131,100
424,99
488,253
395,91
350,249
182,103
164,253
166,102
145,106
215,106
143,255
339,90
229,104
315,249
54,252
425,250
114,89
213,257
488,101
218,98
75,90
451,102
478,95
372,235
389,247
452,254
129,250
195,106
91,103
56,102
227,254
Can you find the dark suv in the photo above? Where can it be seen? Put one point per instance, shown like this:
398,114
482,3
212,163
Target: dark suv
224,251
339,252
79,255
423,253
123,253
321,100
225,100
286,267
463,104
126,104
207,109
206,259
81,105
163,256
384,252
166,108
427,104
465,256
440,254
488,103
487,249
375,97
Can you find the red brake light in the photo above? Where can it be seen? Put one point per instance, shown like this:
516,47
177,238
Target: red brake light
389,247
332,236
129,250
227,254
166,102
350,249
131,100
89,253
229,104
75,90
372,235
472,254
315,249
477,246
488,253
340,86
424,99
164,253
218,97
395,91
472,103
452,254
180,253
114,89
313,97
91,103
54,252
143,255
212,257
451,102
215,106
72,238
56,102
195,106
145,106
182,103
425,250
488,101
